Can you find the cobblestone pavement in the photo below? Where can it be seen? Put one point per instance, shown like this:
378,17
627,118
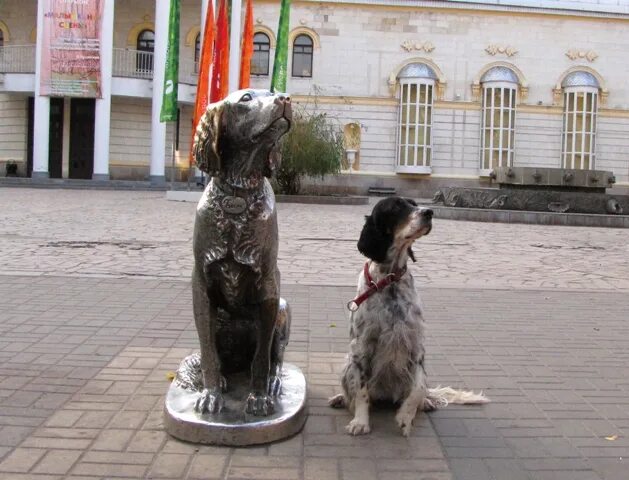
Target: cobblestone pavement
122,233
94,313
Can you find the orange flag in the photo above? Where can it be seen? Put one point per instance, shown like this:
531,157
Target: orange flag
247,47
219,87
205,64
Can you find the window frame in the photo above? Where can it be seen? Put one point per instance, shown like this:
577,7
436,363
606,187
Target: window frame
144,63
404,144
571,118
487,134
294,53
267,52
197,52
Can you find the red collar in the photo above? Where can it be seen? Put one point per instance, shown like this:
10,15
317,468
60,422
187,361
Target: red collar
373,287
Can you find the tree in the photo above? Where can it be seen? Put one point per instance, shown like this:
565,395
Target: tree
313,147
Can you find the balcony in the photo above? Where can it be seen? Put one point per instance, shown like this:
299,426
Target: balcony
17,59
127,63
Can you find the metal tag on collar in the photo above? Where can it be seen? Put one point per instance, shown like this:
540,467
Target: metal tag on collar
233,205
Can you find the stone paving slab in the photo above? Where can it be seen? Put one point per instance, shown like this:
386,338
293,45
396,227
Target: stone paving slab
83,365
133,233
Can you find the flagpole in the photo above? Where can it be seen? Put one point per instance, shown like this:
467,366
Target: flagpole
172,168
234,47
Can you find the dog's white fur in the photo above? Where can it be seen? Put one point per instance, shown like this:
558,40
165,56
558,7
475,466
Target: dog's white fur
386,358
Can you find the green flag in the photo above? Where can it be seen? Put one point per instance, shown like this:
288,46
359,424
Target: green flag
280,64
171,74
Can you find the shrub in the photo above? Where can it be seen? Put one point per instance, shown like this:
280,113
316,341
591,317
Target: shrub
313,148
11,169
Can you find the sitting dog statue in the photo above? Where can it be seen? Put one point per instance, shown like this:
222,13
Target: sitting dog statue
241,321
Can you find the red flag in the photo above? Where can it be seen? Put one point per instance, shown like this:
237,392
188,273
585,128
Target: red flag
220,71
247,47
205,64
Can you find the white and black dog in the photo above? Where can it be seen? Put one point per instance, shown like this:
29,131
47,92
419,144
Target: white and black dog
386,357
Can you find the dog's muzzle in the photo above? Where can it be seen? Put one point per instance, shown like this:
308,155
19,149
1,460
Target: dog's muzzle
283,100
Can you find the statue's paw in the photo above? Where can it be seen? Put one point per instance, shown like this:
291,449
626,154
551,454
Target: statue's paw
275,385
260,405
210,401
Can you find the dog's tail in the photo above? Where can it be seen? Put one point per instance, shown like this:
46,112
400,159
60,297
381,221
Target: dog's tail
440,397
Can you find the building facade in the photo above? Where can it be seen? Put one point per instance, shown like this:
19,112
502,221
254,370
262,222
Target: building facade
427,92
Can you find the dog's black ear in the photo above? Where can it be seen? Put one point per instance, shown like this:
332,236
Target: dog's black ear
206,150
374,243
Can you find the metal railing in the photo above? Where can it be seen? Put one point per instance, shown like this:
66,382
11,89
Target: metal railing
132,63
139,64
126,63
17,59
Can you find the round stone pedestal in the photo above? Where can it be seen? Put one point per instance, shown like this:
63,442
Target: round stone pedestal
233,426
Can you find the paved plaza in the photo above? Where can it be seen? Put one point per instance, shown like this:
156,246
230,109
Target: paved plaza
95,311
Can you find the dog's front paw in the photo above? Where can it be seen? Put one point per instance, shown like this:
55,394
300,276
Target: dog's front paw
357,427
259,404
275,385
210,401
405,421
337,401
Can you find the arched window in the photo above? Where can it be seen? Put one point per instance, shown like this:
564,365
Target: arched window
499,94
145,47
197,52
417,84
302,56
580,98
261,51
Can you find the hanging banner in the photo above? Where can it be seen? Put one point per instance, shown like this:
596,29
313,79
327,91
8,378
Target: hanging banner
280,64
71,60
171,73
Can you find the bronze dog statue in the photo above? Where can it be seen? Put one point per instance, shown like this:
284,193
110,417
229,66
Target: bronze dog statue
235,280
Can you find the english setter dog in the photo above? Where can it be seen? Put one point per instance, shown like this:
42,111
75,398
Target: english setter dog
386,357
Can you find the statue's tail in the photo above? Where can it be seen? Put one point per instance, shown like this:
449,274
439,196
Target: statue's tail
440,397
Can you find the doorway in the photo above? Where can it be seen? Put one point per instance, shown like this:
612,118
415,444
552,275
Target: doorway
82,114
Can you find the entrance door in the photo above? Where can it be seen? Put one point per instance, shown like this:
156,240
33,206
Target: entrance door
55,141
82,113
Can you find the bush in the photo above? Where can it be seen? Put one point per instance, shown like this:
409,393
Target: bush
313,148
11,169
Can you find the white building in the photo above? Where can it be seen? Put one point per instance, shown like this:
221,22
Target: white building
428,92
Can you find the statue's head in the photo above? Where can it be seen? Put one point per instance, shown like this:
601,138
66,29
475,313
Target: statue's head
237,138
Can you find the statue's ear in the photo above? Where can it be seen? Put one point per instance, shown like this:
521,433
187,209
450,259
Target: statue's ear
273,162
206,140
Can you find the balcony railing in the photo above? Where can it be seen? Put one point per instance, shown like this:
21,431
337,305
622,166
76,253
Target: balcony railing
132,63
17,59
126,63
139,64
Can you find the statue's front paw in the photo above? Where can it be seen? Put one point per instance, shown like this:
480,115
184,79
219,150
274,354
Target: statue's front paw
260,404
275,385
210,401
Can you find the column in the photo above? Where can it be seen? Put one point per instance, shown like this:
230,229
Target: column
102,122
41,127
234,45
158,129
198,175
